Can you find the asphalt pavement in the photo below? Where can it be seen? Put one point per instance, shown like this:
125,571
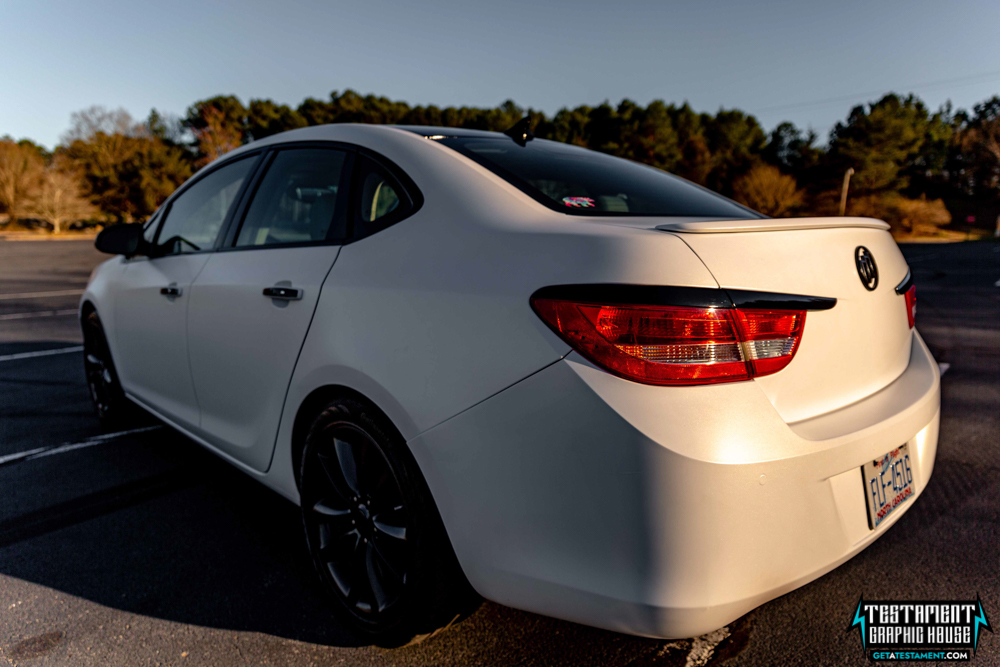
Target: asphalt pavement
143,549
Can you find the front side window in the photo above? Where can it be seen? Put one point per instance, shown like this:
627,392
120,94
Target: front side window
578,181
299,200
196,215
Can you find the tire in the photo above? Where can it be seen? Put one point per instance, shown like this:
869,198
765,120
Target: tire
113,409
373,531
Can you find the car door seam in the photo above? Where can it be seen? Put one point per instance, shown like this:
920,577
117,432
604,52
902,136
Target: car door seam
298,355
187,335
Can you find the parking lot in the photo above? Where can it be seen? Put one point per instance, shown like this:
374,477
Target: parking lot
141,548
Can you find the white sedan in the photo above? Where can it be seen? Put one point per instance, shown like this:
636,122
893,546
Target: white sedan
490,364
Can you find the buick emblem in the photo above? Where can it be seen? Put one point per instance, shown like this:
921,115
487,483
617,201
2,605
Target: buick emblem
867,270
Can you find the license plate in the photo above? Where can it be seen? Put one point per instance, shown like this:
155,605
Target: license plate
888,484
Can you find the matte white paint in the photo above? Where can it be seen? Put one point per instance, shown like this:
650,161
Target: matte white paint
150,342
244,345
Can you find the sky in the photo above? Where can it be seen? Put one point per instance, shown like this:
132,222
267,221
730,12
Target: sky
806,62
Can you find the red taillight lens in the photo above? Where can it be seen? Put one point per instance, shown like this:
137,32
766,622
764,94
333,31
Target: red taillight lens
770,337
911,305
672,345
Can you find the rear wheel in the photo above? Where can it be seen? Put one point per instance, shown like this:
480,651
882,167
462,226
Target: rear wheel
113,409
373,531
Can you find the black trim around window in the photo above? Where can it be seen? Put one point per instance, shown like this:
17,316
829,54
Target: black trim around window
410,197
692,297
410,188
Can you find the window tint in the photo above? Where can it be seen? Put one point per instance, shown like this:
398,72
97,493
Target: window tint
196,216
582,182
298,200
381,199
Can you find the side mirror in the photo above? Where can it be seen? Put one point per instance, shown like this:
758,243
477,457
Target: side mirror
121,240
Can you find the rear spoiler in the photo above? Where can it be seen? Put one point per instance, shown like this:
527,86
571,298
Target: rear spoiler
768,225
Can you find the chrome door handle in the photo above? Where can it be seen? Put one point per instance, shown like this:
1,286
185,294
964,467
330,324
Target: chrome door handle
287,293
170,291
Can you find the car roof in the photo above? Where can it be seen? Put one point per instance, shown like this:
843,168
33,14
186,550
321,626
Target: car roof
351,132
435,131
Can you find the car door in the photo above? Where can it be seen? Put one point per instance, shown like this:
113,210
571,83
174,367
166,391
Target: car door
151,306
251,305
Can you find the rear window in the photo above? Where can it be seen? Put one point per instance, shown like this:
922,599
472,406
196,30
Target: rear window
578,181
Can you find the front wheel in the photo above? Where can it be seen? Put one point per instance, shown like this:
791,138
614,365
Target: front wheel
112,407
373,531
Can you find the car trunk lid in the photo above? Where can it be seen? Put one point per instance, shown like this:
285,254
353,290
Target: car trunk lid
848,352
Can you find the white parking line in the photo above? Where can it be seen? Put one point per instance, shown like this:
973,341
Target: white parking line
42,313
703,647
41,353
10,458
41,295
71,446
943,367
699,649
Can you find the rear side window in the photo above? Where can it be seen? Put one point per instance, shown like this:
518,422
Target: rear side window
578,181
378,197
301,199
381,199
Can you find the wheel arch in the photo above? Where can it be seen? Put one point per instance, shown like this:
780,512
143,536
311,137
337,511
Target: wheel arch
458,597
86,308
313,404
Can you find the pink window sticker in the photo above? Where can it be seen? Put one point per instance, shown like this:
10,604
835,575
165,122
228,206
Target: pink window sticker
579,202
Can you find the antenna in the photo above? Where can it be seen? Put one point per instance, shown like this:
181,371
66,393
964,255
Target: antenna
520,132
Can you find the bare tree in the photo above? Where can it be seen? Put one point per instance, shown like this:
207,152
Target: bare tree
167,127
21,169
86,123
764,188
59,200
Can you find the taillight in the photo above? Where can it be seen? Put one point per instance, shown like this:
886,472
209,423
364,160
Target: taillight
673,345
770,337
911,305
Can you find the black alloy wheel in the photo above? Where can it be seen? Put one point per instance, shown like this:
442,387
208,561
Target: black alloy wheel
373,529
357,518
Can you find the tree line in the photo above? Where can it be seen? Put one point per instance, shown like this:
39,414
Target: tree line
911,166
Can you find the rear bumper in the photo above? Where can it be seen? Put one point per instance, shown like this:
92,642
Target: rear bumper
663,511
